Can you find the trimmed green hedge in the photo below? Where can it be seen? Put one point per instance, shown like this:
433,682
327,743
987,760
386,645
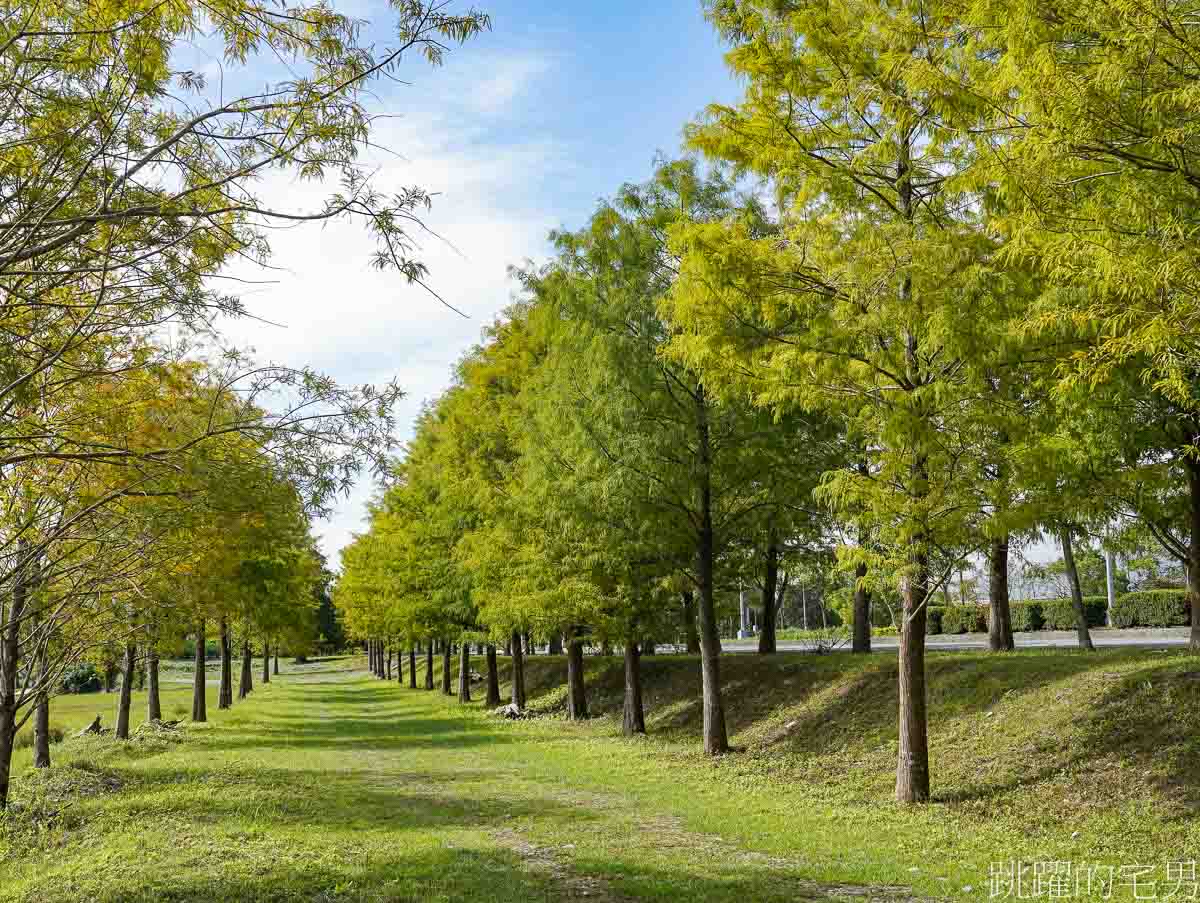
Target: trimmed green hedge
1152,608
964,619
1059,614
1026,615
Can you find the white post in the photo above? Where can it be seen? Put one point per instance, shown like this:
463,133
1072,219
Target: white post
1111,581
742,632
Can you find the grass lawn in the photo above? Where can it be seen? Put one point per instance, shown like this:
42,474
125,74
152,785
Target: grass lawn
330,785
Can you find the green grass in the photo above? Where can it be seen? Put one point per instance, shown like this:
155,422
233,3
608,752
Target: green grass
330,785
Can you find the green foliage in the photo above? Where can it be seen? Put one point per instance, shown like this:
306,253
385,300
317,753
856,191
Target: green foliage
83,678
1152,608
1026,615
1059,614
964,619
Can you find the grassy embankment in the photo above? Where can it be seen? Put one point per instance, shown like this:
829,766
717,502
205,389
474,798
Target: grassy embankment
330,785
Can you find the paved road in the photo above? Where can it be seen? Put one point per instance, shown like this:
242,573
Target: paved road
1147,638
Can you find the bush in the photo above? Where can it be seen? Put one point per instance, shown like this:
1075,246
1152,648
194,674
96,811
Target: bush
964,619
82,679
1059,614
25,738
881,614
933,623
1026,615
1152,608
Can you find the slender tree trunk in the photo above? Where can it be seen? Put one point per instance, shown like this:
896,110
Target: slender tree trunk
246,686
41,717
225,693
199,702
464,674
716,740
412,667
266,674
429,666
447,683
1000,632
110,676
530,646
41,732
1081,624
389,664
912,769
128,667
766,635
692,638
153,702
275,661
556,644
862,612
1193,568
8,735
633,719
518,673
493,678
576,690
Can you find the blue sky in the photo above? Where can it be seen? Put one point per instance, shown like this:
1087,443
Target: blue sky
523,130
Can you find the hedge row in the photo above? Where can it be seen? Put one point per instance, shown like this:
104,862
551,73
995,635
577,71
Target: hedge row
1149,608
1152,608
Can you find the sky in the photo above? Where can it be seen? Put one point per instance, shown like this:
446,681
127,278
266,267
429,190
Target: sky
523,130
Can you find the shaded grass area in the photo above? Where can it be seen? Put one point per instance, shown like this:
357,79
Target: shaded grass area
331,785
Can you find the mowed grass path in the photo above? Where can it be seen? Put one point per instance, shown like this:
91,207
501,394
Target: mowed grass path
330,785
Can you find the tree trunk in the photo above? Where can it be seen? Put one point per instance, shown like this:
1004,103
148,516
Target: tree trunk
530,647
716,740
110,676
493,678
225,693
518,673
266,675
41,717
1081,624
912,768
576,691
388,670
199,703
447,683
862,612
556,644
275,662
692,639
633,719
429,665
412,667
766,635
1193,568
246,685
1000,632
153,702
647,647
129,665
464,674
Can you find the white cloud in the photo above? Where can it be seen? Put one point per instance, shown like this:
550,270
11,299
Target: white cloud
361,325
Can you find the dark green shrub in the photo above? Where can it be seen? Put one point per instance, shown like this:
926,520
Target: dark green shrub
881,614
24,739
1152,608
82,679
933,623
1026,615
1059,614
964,619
